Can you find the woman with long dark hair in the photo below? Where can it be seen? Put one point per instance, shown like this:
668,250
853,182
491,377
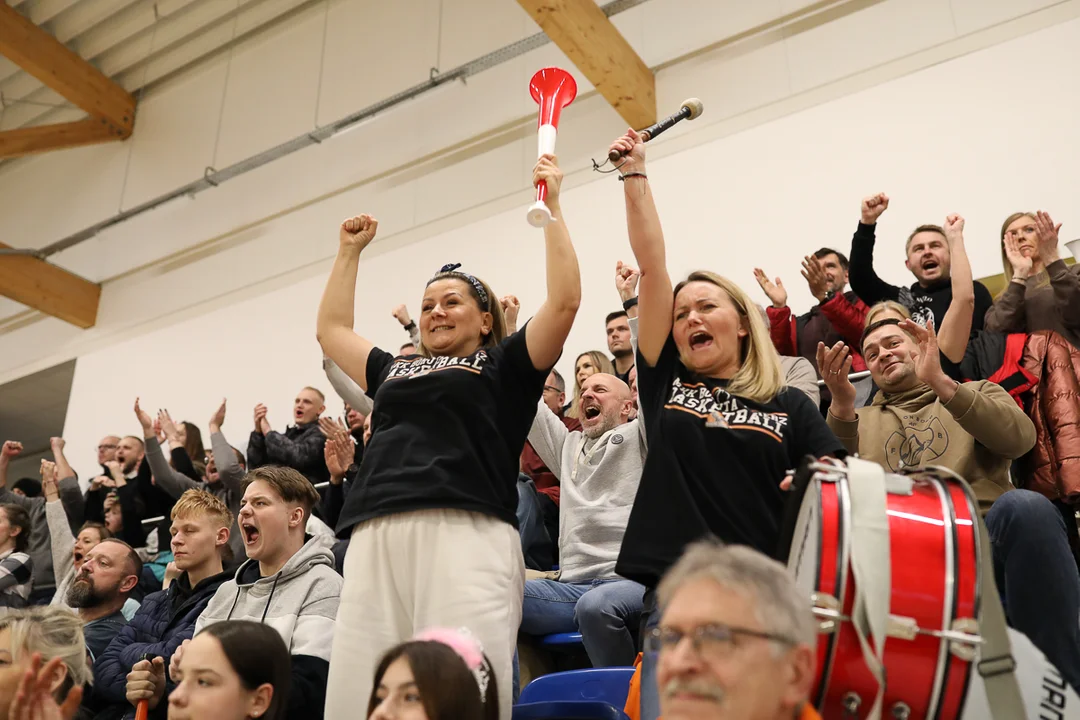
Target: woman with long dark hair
432,515
235,670
439,675
722,428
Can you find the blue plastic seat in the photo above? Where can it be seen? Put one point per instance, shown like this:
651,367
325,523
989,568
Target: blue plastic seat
562,641
583,710
608,685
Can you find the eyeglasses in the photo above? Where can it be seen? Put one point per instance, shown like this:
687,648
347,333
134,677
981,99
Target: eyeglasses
107,447
552,388
710,642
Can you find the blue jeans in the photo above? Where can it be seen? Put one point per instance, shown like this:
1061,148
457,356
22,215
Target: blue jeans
603,611
1036,576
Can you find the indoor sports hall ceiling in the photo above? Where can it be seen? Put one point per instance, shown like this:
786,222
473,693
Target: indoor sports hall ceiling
135,42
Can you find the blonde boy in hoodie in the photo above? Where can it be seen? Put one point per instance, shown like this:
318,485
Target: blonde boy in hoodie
288,581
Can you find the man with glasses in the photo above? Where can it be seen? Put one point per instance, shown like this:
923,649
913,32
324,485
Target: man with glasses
106,453
736,638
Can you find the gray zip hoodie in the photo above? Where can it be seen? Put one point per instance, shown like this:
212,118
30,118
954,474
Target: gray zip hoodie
300,601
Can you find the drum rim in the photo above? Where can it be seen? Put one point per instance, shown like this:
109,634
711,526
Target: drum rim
943,475
843,559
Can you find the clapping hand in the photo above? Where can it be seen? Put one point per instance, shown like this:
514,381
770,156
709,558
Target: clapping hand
218,418
172,433
144,419
262,425
815,277
34,697
928,361
338,450
774,290
834,364
49,481
1047,233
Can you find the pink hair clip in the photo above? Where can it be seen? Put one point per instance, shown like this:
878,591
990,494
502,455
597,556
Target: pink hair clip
467,647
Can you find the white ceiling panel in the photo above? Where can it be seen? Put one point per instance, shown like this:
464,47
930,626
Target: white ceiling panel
136,42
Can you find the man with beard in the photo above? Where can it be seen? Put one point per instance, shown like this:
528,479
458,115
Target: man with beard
599,468
929,258
751,638
924,417
110,571
617,327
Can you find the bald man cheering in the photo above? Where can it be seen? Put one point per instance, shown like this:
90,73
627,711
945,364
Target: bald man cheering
598,468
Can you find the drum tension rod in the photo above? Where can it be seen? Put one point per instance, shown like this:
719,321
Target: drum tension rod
903,628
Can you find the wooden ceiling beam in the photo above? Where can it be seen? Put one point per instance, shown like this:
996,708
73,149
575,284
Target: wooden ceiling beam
49,289
581,30
27,141
51,62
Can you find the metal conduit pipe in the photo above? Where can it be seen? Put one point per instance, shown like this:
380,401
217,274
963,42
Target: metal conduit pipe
214,177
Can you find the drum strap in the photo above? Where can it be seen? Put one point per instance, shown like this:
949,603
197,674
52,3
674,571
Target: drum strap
996,663
871,568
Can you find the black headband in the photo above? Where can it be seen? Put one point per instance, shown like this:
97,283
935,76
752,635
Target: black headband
874,326
452,269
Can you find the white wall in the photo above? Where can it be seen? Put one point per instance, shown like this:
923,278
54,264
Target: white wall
791,140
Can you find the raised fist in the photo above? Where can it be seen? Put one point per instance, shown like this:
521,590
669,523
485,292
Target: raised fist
358,231
873,206
954,228
626,281
401,314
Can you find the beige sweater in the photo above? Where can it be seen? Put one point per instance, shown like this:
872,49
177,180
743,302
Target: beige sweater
976,434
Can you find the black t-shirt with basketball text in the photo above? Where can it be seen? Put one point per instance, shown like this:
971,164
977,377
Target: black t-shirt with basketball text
447,433
714,466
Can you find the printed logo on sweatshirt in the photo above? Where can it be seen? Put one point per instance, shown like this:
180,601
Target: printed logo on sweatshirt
720,410
921,312
415,366
917,444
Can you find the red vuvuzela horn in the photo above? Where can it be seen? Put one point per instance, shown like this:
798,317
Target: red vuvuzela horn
553,89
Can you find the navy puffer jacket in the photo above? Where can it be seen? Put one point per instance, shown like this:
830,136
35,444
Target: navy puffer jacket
165,620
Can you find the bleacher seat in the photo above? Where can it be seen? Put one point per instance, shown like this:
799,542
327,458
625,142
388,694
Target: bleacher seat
562,641
568,711
576,695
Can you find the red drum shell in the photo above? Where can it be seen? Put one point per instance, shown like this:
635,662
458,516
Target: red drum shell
933,552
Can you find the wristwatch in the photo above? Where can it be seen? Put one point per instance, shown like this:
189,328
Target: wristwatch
829,296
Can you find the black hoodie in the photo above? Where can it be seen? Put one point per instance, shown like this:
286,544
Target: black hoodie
923,302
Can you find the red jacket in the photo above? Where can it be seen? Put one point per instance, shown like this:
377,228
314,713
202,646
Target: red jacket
845,311
534,467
